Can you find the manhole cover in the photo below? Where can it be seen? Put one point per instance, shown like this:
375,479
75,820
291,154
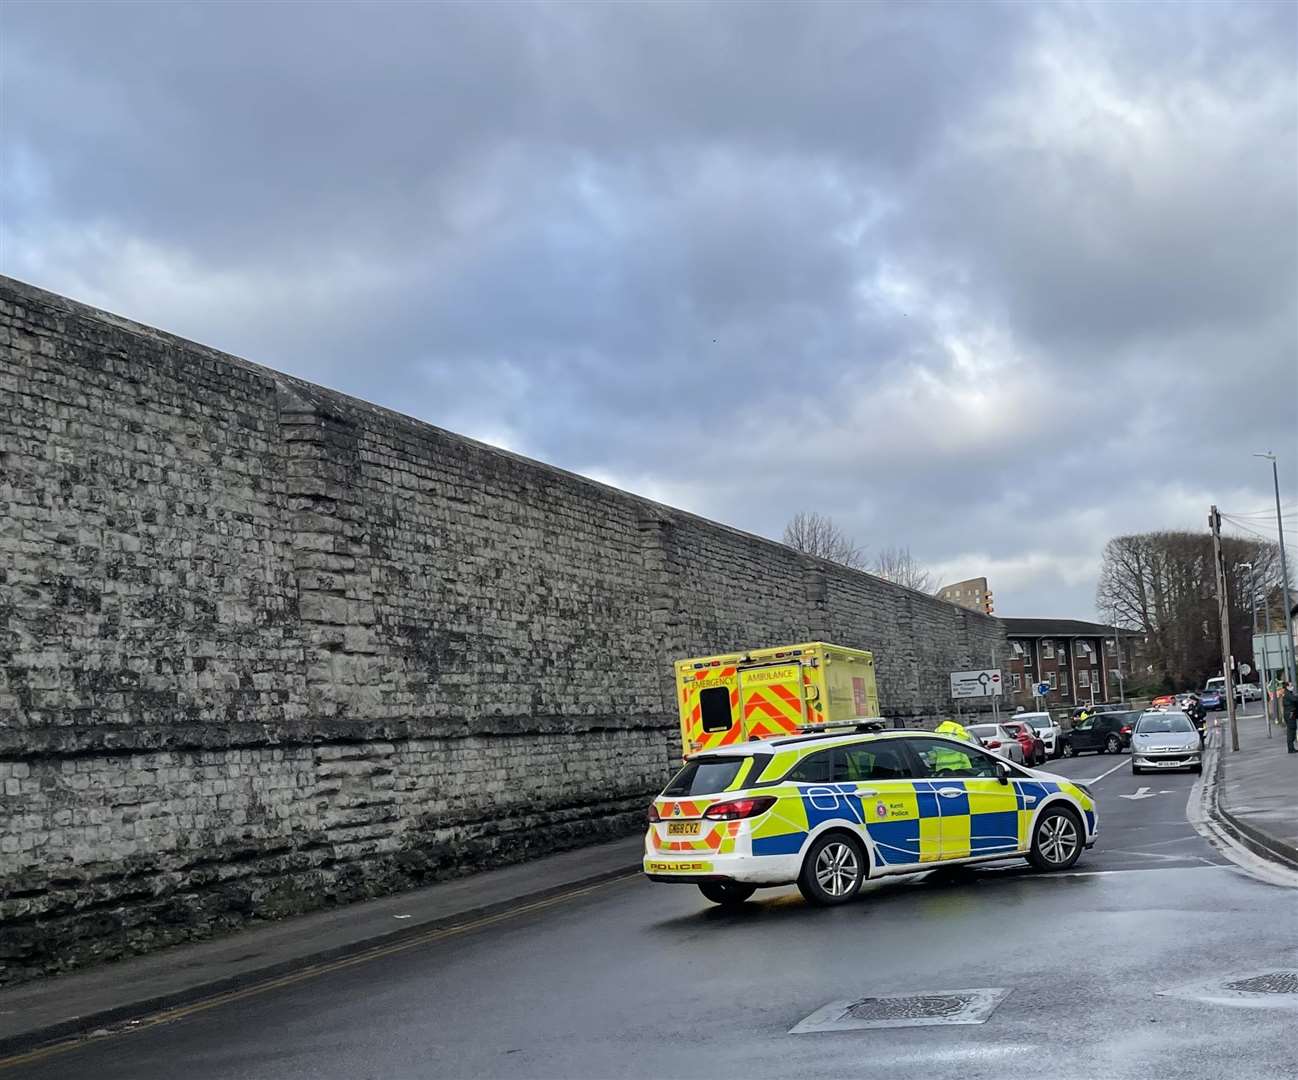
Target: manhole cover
1260,990
904,1010
1273,982
935,1006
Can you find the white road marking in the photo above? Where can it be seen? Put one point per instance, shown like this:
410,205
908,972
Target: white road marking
1143,793
1137,870
1097,779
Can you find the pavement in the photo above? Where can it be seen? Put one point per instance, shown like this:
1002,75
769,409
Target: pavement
1257,788
47,1009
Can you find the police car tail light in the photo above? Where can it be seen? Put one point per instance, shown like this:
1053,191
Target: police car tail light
654,816
739,808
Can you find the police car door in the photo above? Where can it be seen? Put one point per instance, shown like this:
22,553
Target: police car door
979,814
881,774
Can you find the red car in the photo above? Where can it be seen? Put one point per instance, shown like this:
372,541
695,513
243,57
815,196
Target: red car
1034,750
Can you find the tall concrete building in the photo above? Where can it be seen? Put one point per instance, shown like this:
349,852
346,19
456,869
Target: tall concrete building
972,594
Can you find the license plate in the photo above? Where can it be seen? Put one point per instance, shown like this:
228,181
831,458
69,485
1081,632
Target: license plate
683,828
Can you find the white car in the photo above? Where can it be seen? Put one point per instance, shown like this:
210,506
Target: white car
1047,730
1247,691
999,741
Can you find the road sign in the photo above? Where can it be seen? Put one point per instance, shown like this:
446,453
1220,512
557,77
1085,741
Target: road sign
971,684
1042,689
1272,650
1244,669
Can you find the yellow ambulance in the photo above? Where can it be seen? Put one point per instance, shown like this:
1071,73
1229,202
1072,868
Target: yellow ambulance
738,697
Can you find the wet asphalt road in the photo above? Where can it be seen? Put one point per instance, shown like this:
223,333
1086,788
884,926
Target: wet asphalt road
640,980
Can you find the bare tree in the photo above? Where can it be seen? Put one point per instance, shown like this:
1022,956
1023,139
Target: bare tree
897,564
1165,585
816,534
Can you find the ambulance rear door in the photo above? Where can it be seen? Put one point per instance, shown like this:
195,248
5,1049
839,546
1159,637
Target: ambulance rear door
709,700
773,699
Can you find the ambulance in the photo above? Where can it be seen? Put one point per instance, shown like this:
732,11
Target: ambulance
740,697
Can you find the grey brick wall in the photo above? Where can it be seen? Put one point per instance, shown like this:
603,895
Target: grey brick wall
264,647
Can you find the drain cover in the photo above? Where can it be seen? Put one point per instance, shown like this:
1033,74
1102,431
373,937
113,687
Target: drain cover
1260,990
1273,982
904,1010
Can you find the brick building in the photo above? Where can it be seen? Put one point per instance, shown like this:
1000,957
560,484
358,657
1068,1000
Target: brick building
1078,660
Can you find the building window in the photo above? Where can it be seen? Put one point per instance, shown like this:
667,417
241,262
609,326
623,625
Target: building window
1054,680
1017,647
1063,684
1018,682
1111,645
1048,649
1084,678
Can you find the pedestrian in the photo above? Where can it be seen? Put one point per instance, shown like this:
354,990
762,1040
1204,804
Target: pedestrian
1290,712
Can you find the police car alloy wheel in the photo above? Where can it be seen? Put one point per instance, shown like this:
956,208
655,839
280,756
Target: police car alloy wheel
1057,840
726,893
833,870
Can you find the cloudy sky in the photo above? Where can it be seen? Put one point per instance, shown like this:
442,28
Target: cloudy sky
994,282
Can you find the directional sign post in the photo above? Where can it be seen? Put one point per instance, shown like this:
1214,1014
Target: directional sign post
976,684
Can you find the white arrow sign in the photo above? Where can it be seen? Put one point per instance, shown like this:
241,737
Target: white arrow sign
1143,793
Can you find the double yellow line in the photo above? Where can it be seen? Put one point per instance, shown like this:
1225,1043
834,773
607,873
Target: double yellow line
312,971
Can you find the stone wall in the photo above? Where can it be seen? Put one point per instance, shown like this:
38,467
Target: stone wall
265,647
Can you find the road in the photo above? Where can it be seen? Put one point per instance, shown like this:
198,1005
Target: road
633,979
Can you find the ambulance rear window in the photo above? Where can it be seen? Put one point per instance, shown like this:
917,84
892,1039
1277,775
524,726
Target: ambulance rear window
704,776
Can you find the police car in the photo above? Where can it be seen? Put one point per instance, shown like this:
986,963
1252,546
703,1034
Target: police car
830,811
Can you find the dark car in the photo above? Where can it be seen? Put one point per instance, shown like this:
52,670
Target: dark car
1102,733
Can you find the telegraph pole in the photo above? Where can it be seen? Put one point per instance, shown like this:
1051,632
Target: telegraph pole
1223,609
1117,650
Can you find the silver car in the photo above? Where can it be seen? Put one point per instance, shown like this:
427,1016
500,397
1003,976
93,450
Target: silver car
1166,740
999,741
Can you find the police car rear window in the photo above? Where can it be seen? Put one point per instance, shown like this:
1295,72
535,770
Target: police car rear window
704,776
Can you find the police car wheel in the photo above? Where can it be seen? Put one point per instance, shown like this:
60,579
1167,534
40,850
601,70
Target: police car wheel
1057,841
726,893
833,870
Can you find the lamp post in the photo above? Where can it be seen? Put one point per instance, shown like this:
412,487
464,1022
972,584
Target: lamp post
1261,664
1284,574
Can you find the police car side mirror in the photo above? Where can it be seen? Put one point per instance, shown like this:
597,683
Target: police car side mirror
1003,772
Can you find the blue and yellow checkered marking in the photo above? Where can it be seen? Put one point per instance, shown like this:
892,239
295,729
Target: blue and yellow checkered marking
916,824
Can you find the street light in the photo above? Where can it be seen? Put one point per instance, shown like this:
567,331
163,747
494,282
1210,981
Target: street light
1252,597
1284,574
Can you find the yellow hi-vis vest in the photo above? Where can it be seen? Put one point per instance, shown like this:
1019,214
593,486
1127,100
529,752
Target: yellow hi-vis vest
951,760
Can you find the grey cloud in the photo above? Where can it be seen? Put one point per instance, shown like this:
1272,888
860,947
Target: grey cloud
881,261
